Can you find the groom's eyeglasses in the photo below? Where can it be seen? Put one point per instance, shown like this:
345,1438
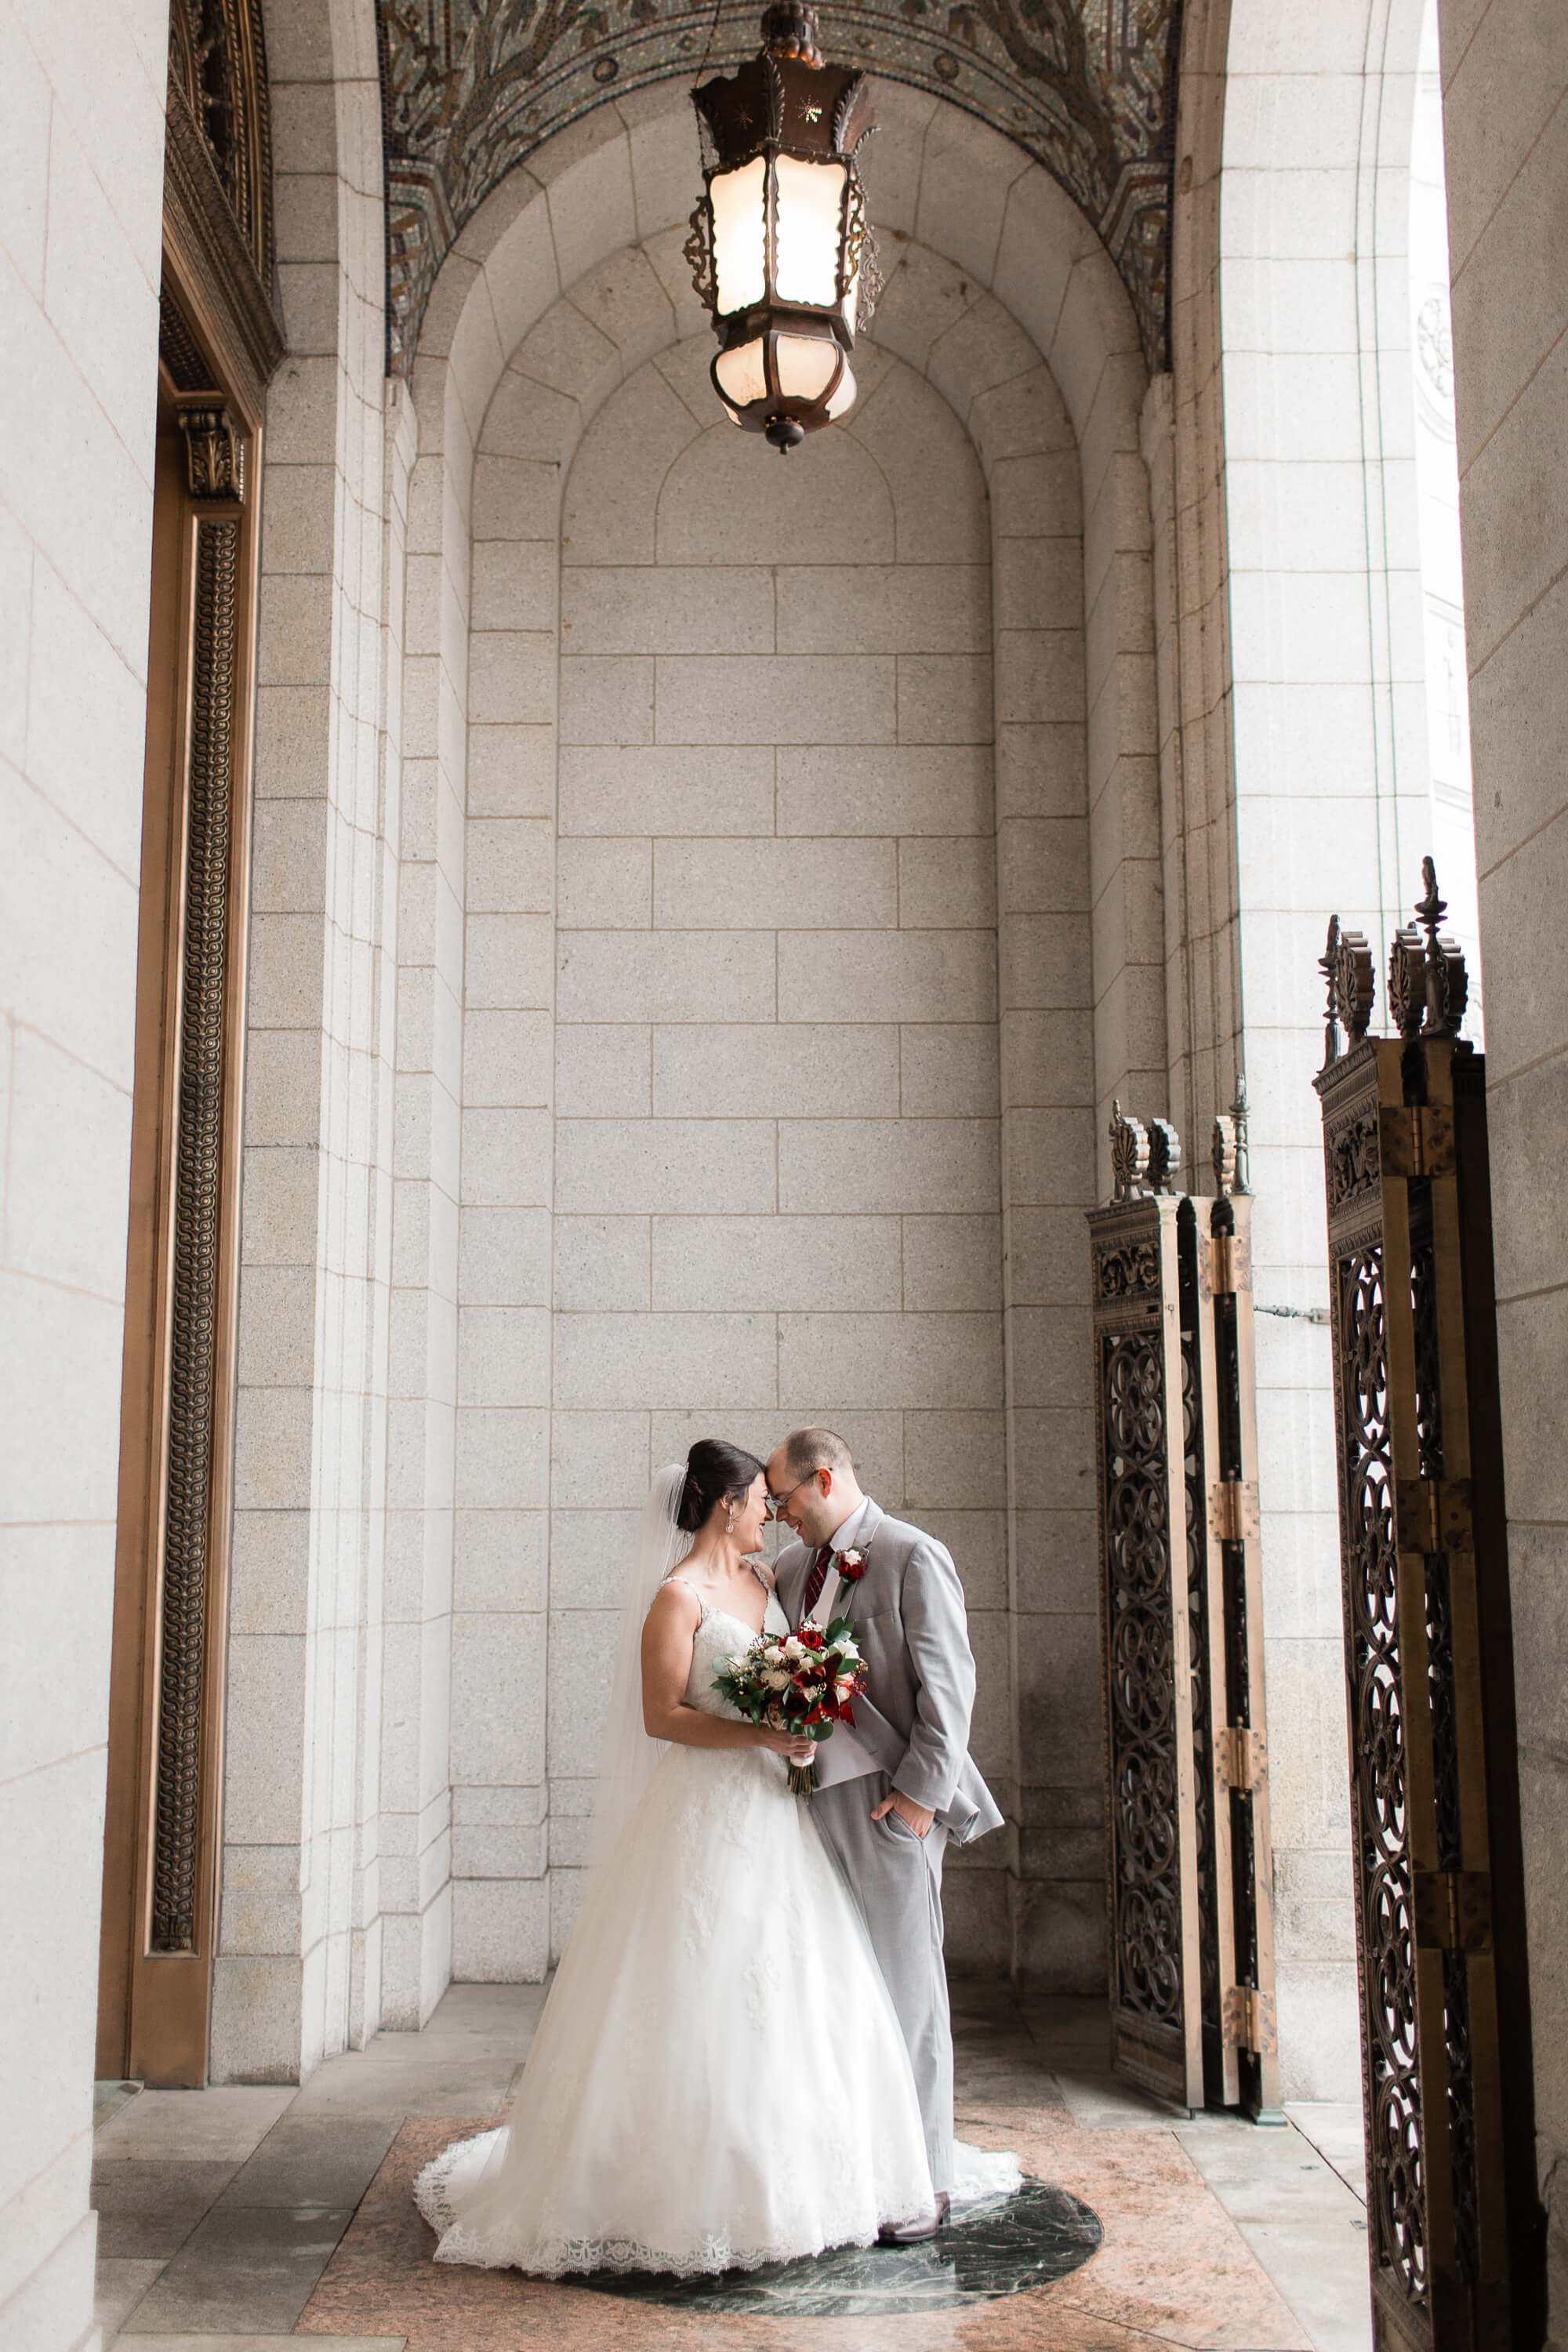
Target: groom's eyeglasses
778,1502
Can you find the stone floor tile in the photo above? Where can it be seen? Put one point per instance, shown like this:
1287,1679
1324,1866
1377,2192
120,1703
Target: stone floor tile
151,2235
108,2099
1336,2130
120,2287
407,2087
1306,2226
243,2269
143,2184
312,2159
1101,2101
148,2206
229,2121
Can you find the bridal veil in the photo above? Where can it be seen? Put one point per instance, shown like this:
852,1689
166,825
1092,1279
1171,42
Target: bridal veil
628,1758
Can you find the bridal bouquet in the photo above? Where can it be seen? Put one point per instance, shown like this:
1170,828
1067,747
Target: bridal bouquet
802,1682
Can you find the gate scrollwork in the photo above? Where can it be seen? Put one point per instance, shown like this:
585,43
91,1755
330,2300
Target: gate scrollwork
1190,1946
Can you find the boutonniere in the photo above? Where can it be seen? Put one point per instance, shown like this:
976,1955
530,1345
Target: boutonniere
850,1565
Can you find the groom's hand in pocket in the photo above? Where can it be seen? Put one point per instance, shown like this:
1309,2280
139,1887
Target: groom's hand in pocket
914,1817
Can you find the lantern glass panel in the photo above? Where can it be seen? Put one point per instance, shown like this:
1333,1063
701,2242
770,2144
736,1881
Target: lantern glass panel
806,365
808,225
740,374
843,400
739,245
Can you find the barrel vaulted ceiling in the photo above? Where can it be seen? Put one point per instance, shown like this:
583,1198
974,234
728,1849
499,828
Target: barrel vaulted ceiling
470,88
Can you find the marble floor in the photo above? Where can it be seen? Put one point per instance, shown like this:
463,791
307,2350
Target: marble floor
247,2219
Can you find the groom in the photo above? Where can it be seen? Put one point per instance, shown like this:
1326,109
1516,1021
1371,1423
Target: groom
894,1789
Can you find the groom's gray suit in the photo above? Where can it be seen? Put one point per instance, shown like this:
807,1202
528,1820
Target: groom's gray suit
911,1733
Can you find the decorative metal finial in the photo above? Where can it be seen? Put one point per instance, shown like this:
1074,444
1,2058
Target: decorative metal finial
1407,980
1447,981
1427,984
1329,965
1353,989
1232,1169
790,31
1129,1155
1164,1155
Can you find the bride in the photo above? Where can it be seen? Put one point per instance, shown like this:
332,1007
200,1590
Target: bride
719,2079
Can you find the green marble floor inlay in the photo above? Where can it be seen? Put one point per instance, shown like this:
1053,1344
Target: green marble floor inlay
997,2248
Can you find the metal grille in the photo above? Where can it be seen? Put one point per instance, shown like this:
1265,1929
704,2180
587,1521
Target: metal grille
1143,1775
1382,1853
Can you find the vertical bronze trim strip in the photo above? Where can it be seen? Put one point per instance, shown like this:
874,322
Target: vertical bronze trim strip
198,1152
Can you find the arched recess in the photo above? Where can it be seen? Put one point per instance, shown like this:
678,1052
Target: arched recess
1293,739
999,295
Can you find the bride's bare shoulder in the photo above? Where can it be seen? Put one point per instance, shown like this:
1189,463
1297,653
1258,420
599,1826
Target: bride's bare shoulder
675,1601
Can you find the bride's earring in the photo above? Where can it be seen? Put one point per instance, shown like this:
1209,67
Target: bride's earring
729,1522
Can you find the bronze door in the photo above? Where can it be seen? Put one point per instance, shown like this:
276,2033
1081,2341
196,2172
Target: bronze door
1454,2232
219,340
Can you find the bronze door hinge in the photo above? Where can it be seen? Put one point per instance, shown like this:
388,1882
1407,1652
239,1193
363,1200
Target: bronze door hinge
1242,1758
1453,1910
1415,1138
1233,1509
1246,2020
1433,1515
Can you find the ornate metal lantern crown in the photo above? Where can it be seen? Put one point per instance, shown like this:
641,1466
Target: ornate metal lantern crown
780,250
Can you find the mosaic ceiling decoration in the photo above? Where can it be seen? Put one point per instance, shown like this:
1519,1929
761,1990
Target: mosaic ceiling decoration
470,88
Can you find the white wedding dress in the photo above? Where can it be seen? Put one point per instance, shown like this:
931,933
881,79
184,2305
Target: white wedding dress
719,2079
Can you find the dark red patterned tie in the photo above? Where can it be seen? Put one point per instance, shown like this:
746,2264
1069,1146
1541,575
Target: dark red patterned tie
815,1582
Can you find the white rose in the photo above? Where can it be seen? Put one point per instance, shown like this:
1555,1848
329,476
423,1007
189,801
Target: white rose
775,1679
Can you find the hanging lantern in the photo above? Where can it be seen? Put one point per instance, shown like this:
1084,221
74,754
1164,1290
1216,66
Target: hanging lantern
780,250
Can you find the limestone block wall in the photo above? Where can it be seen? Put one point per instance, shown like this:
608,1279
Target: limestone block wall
299,1964
1504,88
80,219
777,1170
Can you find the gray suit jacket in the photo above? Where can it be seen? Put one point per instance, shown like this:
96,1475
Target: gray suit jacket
908,1618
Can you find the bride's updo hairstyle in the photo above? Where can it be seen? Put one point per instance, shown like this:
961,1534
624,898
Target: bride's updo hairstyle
715,1473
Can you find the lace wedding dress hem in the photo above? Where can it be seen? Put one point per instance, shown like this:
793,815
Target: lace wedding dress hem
562,2257
980,2178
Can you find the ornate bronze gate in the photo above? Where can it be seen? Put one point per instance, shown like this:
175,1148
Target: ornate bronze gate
1191,1934
1455,2231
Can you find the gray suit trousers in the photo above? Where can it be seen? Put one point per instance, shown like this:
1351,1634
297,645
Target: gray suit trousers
895,1878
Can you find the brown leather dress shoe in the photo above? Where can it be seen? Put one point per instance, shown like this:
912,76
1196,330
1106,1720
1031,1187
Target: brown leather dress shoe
909,2233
